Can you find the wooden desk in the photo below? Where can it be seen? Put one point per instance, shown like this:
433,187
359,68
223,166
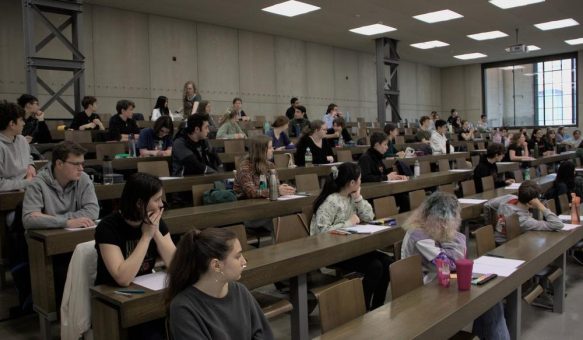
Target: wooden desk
551,159
90,147
389,162
434,312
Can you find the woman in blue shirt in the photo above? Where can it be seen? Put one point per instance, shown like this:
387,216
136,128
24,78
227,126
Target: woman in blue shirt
157,141
278,134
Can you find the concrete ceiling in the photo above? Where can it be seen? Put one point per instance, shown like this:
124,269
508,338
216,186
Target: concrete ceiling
331,23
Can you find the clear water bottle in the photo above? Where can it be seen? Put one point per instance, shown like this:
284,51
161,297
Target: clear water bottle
132,146
273,186
526,174
308,157
341,141
416,169
266,127
107,171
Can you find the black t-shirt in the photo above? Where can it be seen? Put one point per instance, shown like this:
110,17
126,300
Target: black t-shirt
118,127
517,149
113,229
81,119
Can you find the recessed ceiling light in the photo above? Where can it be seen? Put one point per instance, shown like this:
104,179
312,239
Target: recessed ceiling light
470,56
373,29
510,68
532,48
577,41
487,35
430,44
291,8
505,4
438,16
551,25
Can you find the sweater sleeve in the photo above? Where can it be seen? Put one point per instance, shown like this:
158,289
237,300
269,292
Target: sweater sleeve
327,218
550,222
245,183
34,202
260,327
364,210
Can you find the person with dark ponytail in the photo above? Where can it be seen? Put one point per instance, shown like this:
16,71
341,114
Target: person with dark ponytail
313,138
203,297
340,205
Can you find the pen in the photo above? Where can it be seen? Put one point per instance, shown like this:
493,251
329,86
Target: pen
494,255
131,291
121,293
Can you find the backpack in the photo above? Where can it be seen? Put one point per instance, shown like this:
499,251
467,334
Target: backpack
218,195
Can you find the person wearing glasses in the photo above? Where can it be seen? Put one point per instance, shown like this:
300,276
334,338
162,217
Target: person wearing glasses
62,195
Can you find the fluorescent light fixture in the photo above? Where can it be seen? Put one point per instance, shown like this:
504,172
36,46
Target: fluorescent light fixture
551,25
505,4
291,8
531,48
430,44
510,68
488,35
438,16
470,56
373,29
577,41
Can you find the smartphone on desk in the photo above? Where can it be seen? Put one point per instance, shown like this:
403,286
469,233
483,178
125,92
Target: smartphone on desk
483,279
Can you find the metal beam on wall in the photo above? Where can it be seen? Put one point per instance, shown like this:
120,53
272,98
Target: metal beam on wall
387,63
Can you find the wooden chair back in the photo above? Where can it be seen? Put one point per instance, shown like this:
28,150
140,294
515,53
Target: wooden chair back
475,160
289,228
400,140
385,207
343,155
461,163
512,227
564,204
281,160
307,182
254,132
234,145
406,275
468,187
416,198
239,230
488,183
449,188
105,117
425,167
154,168
543,169
484,240
102,150
307,214
481,145
552,205
260,120
470,146
341,303
443,165
518,176
78,136
198,191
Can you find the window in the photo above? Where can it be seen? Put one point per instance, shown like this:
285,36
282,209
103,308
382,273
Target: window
531,92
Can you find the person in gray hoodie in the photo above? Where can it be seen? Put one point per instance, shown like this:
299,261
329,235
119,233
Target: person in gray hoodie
508,205
16,166
62,195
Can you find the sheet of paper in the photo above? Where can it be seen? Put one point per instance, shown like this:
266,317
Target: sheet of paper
488,269
78,229
460,170
495,265
568,226
289,197
513,186
471,201
366,228
154,281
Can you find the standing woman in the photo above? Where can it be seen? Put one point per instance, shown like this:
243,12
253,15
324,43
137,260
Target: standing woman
313,138
203,297
230,129
278,134
157,141
190,98
340,205
161,109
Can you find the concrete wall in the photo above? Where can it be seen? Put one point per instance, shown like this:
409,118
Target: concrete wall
461,89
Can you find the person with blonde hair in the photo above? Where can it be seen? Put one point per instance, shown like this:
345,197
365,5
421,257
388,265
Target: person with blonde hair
229,128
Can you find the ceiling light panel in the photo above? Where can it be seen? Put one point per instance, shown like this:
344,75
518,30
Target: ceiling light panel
577,41
469,56
532,48
430,44
373,29
438,16
291,8
488,35
506,4
551,25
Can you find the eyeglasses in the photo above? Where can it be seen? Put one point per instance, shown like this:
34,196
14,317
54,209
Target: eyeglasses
77,164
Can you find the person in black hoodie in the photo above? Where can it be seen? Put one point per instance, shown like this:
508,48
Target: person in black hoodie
487,167
35,128
191,152
371,162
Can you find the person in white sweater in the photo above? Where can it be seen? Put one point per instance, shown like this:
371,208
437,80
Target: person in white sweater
438,139
340,205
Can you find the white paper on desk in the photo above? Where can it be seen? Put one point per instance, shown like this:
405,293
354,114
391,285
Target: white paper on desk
488,269
163,178
471,201
579,169
505,163
289,197
495,265
568,227
366,228
513,186
331,164
78,229
154,281
567,218
460,170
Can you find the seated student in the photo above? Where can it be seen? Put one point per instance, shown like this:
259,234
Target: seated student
229,128
560,136
482,125
161,109
371,163
157,141
537,138
423,134
129,242
313,138
87,119
550,142
392,132
122,125
191,152
35,128
253,166
290,112
203,298
238,107
508,205
299,122
434,118
338,129
467,132
438,139
62,195
278,134
205,107
340,205
16,166
433,233
517,150
331,113
487,167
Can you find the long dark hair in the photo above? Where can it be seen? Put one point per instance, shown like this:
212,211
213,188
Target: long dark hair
164,122
346,172
566,174
161,105
139,188
193,255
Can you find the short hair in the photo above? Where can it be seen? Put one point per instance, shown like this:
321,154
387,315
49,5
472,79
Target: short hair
424,119
483,116
439,123
378,137
9,112
301,108
331,107
452,111
26,99
577,132
139,189
495,149
280,121
339,121
195,121
164,122
124,104
88,100
504,128
62,151
389,127
237,99
293,100
527,191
